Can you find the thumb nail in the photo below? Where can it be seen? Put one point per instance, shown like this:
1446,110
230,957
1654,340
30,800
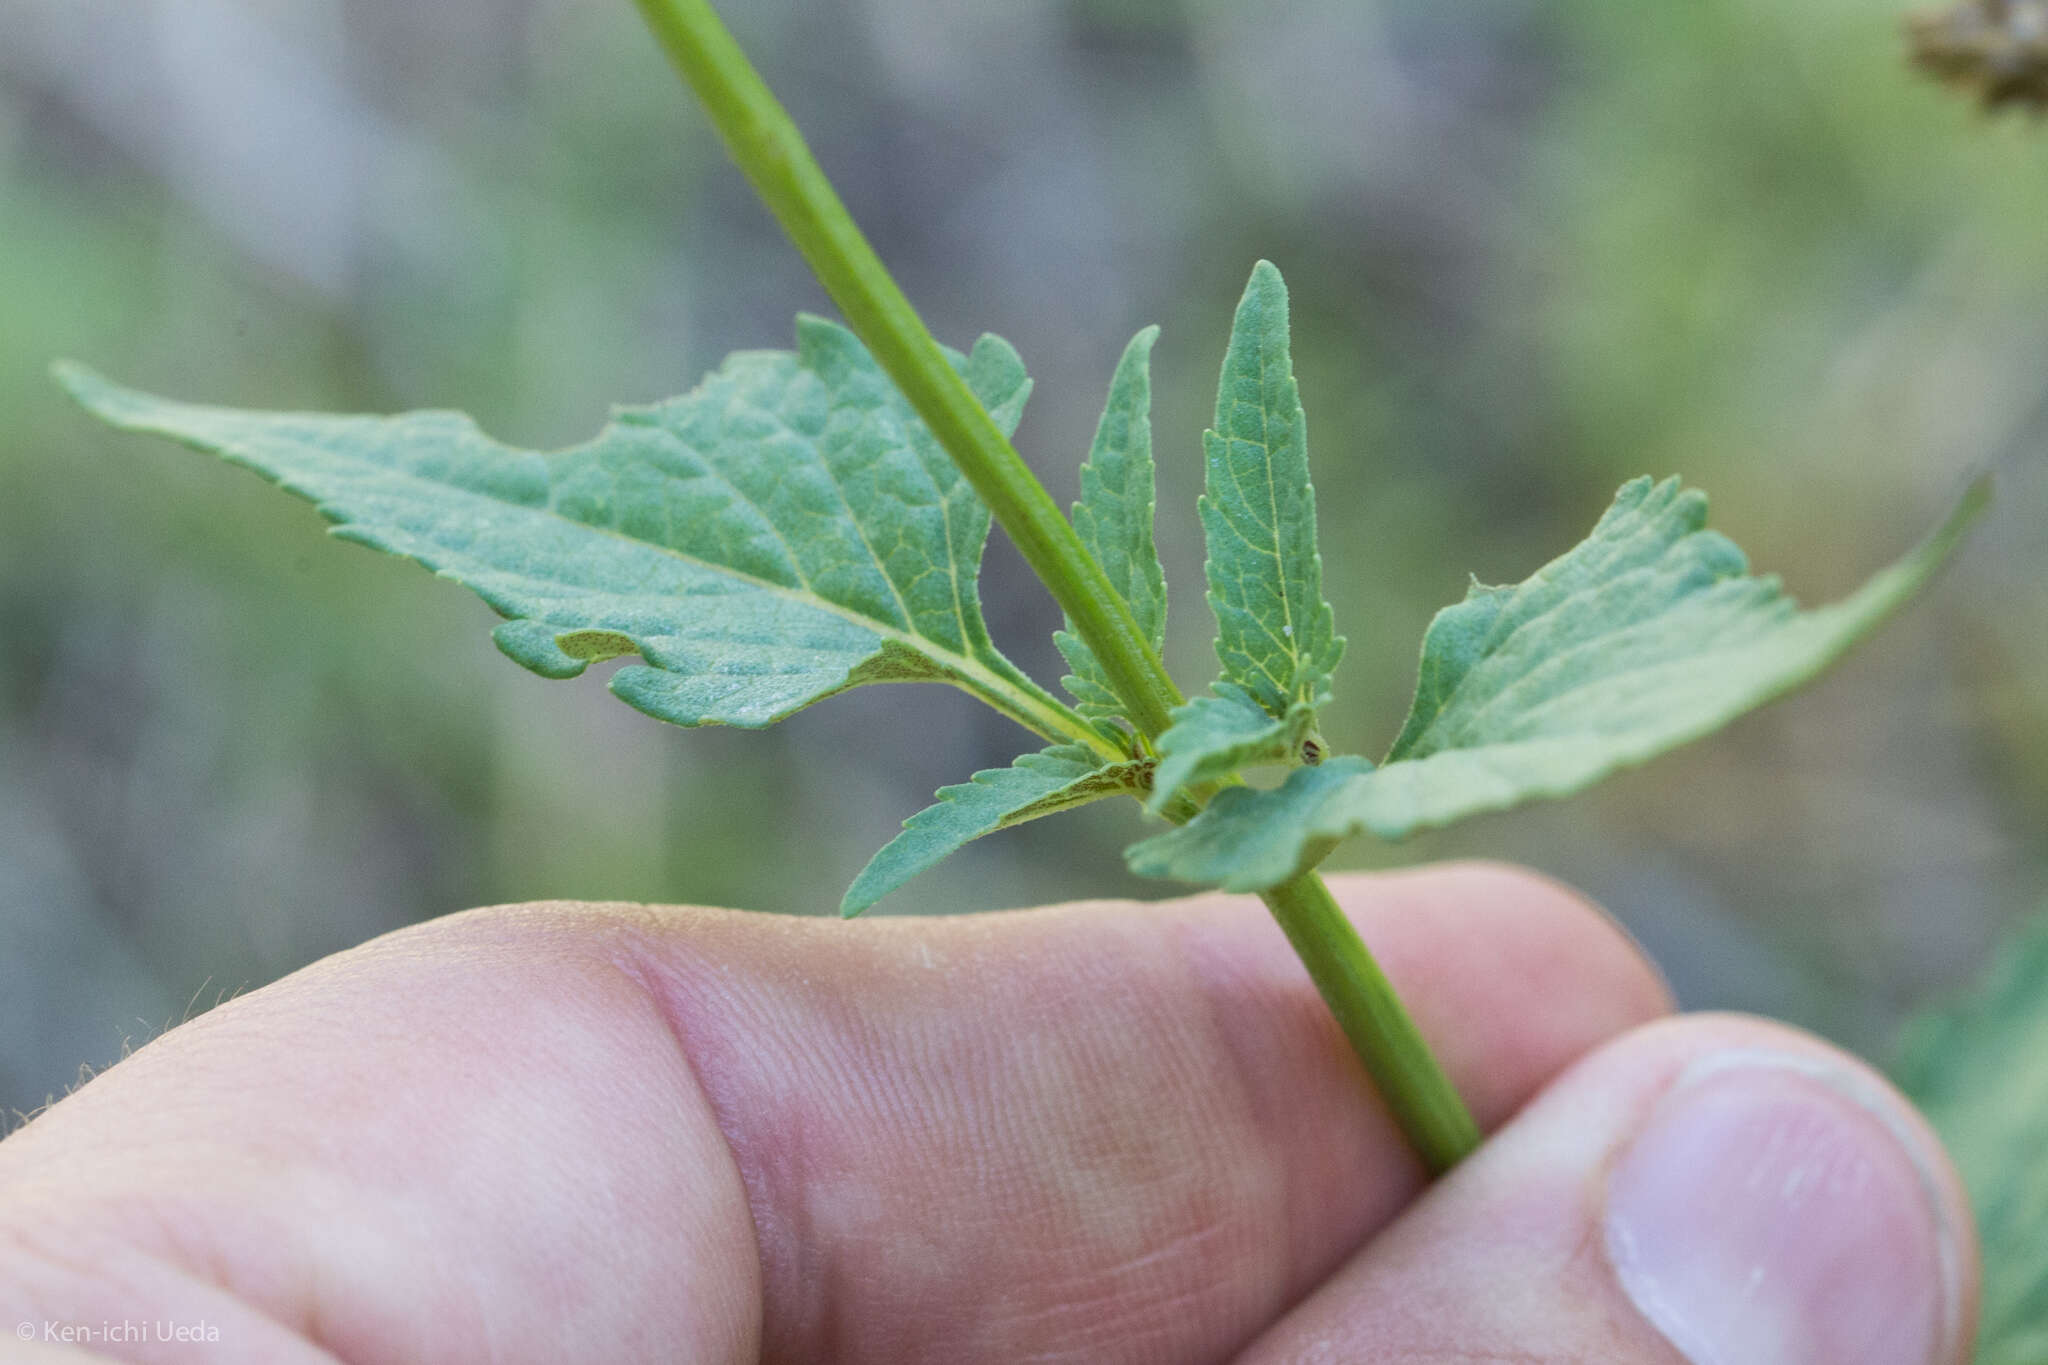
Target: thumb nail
1777,1209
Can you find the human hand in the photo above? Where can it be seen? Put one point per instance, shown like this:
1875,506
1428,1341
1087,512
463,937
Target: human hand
1099,1133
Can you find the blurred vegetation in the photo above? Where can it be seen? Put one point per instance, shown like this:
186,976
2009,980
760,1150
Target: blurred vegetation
1534,250
1958,1065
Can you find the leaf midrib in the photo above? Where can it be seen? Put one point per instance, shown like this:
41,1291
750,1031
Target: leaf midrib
735,399
965,664
1022,703
1285,638
1289,643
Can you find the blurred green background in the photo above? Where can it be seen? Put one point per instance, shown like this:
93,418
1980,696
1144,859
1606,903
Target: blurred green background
1534,249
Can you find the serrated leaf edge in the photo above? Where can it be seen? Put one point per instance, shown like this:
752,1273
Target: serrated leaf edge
1098,782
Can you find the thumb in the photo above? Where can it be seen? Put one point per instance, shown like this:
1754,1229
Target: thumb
1714,1190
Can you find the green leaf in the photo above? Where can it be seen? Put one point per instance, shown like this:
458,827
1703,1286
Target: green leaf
1214,736
1114,520
1980,1072
1649,634
1057,779
1249,840
785,531
1275,636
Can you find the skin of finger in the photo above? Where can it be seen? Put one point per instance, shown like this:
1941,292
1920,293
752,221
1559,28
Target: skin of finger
1103,1132
1505,1259
471,1140
1160,1141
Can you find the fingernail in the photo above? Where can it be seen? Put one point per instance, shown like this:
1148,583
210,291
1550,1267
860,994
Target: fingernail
1775,1209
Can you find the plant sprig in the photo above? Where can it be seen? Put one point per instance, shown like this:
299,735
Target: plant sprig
808,521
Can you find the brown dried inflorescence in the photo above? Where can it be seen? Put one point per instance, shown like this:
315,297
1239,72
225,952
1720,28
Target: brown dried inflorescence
1997,49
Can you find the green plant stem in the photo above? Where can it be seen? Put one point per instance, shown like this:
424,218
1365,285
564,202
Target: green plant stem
1420,1095
764,141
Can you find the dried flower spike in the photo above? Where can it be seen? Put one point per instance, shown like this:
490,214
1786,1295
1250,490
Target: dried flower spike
1995,48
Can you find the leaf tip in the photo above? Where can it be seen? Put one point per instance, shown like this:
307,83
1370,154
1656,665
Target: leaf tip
1146,859
1975,500
92,390
1265,298
1938,545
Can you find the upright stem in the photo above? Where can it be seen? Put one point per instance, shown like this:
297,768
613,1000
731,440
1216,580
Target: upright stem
765,142
1421,1097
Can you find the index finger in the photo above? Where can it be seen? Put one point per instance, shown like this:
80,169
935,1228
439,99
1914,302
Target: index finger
1105,1131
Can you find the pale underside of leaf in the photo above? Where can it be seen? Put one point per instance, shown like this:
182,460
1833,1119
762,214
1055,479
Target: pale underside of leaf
1648,635
1036,785
785,531
1249,840
1215,736
1114,521
1978,1072
1275,636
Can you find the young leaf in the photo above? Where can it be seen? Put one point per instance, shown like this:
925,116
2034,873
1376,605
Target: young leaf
1114,520
1249,840
1275,636
785,531
1214,736
1057,779
1649,634
1980,1072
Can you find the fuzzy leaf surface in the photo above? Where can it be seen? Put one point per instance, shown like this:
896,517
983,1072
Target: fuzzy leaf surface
1275,636
1214,736
1651,633
784,531
1249,840
1980,1072
1056,779
1114,521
